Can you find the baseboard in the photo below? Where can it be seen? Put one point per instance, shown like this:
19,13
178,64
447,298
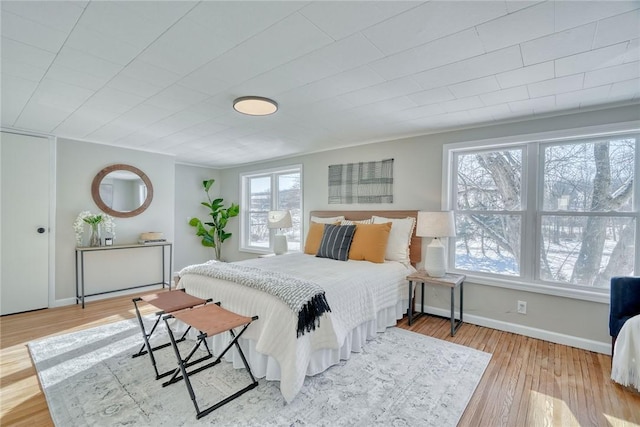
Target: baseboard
71,301
541,334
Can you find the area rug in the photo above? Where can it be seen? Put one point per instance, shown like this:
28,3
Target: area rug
399,378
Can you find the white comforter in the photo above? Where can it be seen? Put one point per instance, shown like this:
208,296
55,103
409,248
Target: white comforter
625,368
356,292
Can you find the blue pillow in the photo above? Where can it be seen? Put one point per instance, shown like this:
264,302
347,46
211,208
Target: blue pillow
336,241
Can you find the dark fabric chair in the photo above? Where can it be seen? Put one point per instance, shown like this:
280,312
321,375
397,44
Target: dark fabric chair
625,303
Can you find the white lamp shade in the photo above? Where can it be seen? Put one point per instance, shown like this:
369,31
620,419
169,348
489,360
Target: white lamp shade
279,219
436,224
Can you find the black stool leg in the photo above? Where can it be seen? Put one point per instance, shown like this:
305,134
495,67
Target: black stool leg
181,364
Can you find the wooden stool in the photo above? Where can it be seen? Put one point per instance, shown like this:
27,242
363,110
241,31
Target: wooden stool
210,320
167,302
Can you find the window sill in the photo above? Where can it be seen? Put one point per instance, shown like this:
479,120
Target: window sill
538,288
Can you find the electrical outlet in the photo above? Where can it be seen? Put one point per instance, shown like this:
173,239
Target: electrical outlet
522,307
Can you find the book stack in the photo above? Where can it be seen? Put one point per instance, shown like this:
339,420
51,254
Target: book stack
151,237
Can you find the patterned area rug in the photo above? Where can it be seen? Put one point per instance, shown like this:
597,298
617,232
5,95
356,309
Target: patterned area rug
400,378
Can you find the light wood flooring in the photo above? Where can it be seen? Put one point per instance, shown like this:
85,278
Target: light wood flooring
528,382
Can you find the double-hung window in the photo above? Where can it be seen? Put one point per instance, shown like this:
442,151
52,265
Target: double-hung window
559,213
264,191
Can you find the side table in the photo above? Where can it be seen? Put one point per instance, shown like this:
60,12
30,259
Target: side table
449,280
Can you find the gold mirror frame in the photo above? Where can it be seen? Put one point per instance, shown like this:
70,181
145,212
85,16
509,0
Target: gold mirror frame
95,191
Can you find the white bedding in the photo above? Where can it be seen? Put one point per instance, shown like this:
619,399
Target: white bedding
363,297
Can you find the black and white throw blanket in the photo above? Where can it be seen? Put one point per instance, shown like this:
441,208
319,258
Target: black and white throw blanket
305,298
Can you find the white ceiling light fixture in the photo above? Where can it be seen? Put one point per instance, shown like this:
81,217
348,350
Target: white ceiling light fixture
255,105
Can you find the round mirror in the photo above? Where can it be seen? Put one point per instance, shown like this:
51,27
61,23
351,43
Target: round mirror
122,191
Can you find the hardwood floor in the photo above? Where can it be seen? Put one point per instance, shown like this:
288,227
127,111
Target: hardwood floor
527,383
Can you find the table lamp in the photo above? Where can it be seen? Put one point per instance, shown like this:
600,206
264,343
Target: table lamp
279,220
436,225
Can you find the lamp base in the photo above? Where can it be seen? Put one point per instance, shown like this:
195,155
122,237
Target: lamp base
435,262
280,244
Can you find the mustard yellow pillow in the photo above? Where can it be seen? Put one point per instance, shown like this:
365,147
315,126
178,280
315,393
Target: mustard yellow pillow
314,236
370,242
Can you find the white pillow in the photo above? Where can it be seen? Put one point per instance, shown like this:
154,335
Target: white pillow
331,220
399,237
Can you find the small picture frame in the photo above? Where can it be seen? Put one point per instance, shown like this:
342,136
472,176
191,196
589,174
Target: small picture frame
108,241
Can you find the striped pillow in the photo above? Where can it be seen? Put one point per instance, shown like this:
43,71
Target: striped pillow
336,241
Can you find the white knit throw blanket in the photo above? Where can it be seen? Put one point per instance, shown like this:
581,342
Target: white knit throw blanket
305,298
626,355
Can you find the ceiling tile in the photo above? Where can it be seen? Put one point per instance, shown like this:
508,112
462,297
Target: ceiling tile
430,21
557,45
180,50
29,32
582,97
514,6
554,86
85,63
102,46
258,53
524,75
382,91
633,51
69,75
40,116
330,87
618,28
432,96
238,21
625,90
60,15
16,52
80,123
56,94
341,19
612,74
462,104
516,93
141,116
532,106
592,60
176,98
150,73
126,83
569,14
113,100
475,87
480,66
23,70
15,93
110,132
437,53
521,26
114,19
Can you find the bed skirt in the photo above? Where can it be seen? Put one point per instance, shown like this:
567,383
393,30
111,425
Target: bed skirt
263,366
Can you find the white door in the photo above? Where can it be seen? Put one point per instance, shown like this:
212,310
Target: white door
24,223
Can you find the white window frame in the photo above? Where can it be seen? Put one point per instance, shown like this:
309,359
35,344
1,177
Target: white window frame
532,217
273,173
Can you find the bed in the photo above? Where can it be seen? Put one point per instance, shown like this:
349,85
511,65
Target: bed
364,299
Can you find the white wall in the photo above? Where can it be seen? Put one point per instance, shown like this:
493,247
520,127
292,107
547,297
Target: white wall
417,185
77,164
189,194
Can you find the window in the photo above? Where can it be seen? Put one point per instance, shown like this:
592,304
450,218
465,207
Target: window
262,192
560,213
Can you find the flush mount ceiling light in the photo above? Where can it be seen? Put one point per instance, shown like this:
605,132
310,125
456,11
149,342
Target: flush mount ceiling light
255,105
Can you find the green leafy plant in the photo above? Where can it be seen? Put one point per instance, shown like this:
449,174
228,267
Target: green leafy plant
212,232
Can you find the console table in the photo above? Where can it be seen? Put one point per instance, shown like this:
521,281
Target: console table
81,251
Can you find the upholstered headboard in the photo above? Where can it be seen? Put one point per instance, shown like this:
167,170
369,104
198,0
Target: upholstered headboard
415,248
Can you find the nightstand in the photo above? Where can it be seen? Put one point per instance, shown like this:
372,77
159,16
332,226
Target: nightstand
449,280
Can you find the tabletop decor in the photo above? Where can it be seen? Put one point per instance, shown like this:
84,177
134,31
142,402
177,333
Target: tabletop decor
96,222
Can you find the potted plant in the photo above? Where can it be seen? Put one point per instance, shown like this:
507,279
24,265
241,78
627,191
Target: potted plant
212,232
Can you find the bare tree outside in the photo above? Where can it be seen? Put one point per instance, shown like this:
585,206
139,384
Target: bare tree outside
586,222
